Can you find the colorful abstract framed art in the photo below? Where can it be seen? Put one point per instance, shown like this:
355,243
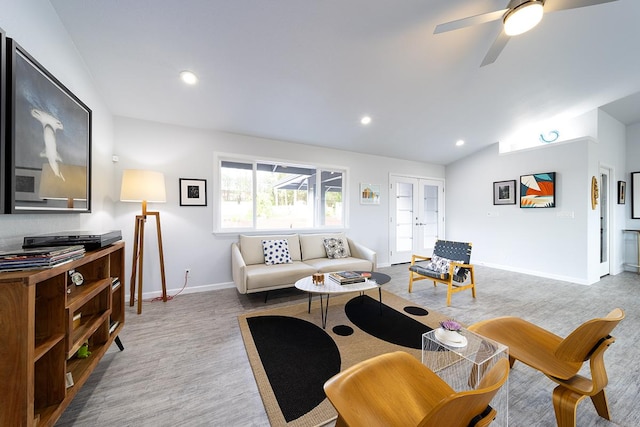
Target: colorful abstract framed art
538,190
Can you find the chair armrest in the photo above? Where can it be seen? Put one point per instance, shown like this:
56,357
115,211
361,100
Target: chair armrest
238,268
461,265
419,258
362,252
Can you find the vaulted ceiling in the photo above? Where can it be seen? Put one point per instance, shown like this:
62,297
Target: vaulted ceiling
306,71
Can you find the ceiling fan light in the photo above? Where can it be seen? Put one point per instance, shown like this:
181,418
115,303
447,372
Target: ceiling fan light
522,18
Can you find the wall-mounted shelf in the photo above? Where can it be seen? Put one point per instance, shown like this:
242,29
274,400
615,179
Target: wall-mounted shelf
37,310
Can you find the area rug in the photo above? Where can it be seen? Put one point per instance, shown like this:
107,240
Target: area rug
292,356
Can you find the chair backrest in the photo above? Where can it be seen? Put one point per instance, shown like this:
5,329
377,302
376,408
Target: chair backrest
459,409
581,343
457,251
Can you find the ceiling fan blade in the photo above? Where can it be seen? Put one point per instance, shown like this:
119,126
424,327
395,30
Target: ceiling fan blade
495,49
471,20
554,5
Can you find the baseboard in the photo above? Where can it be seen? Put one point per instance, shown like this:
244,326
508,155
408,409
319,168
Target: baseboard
187,290
534,273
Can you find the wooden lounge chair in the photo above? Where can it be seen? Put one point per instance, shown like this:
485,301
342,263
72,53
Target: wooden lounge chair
395,389
560,359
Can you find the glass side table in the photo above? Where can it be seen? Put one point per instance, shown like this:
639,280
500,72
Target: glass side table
463,367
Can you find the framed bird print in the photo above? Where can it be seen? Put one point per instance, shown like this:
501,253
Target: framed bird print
49,140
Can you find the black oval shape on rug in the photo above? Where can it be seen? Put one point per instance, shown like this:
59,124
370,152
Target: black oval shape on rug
416,311
343,330
288,347
391,326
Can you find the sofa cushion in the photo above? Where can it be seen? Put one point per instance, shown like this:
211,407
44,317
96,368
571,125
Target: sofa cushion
312,245
276,252
326,265
335,247
251,247
261,276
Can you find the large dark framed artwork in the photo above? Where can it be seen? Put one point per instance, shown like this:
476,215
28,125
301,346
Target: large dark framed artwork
538,190
49,140
635,195
3,106
504,192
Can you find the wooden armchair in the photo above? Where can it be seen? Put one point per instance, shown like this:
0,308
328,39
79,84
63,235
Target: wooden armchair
560,359
449,264
395,389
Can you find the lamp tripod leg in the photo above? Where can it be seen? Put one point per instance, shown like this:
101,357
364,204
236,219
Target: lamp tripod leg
162,275
134,263
140,261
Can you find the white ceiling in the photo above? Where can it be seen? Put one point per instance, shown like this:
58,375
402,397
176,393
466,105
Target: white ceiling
306,70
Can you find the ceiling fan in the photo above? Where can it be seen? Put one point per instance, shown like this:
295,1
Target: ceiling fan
519,17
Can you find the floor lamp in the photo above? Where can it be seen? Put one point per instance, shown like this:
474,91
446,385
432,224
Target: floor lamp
143,186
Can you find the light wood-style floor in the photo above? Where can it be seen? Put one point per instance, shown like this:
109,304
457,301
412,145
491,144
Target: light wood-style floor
184,362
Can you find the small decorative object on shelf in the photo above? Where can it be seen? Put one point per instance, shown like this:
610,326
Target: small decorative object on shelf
83,351
318,279
76,277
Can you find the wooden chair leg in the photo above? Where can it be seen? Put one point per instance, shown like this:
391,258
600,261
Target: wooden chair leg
449,291
565,404
602,407
473,282
410,281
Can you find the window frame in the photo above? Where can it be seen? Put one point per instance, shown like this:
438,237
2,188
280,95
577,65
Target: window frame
318,167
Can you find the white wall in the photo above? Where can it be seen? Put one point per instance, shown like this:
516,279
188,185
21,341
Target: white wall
612,153
36,27
187,232
561,242
534,241
632,165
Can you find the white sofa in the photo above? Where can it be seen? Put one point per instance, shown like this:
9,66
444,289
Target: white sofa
308,255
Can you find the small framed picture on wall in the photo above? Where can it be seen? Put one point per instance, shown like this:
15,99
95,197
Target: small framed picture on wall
193,192
622,190
504,192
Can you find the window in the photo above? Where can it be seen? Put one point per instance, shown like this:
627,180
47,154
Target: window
277,196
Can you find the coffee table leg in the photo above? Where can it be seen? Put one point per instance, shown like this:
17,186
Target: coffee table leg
324,311
380,295
309,308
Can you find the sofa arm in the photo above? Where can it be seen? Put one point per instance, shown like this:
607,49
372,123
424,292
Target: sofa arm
362,252
238,268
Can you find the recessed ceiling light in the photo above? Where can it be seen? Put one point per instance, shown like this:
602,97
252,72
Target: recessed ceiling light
365,120
188,77
459,143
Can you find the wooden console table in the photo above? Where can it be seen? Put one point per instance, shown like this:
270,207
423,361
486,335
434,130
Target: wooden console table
39,337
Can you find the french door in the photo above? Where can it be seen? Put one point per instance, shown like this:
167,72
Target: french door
416,216
604,186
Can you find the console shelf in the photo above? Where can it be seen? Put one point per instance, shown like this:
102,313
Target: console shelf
46,318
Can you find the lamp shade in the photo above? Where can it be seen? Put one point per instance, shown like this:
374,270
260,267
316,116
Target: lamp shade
523,17
142,186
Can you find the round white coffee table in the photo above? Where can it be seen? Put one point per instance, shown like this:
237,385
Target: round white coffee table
332,288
